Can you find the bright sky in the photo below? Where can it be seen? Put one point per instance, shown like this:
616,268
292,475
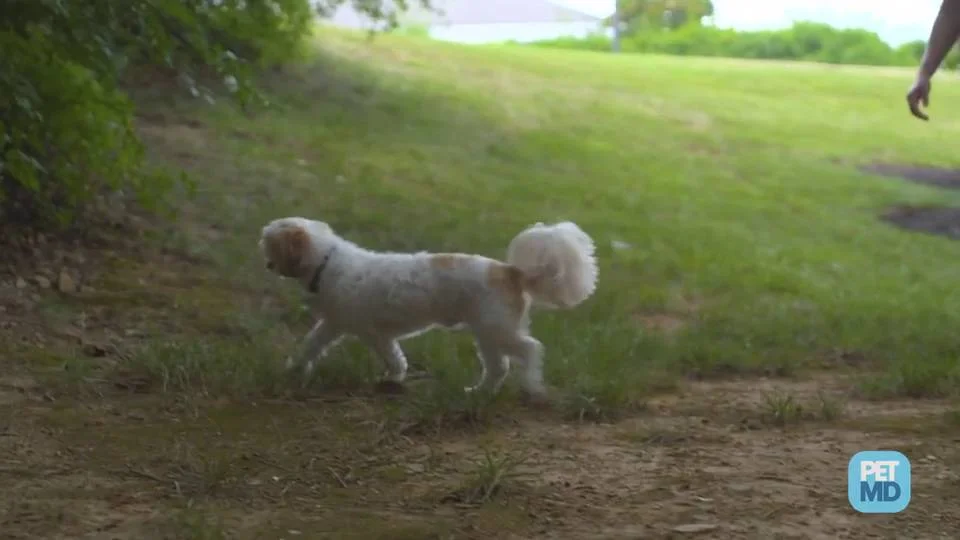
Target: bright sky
896,21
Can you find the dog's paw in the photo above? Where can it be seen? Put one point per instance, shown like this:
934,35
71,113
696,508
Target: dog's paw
538,398
389,387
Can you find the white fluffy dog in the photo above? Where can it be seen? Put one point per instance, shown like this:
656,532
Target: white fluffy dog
382,298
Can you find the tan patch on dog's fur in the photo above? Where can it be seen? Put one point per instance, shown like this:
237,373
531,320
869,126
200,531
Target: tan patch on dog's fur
508,281
448,261
287,249
297,242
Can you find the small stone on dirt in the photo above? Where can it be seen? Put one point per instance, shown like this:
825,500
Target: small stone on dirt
21,283
132,383
65,283
42,281
94,350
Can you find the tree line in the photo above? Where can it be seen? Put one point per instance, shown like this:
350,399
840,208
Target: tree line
678,27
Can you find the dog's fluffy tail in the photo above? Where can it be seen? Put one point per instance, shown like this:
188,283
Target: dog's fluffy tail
558,263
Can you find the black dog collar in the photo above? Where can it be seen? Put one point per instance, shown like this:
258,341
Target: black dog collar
314,284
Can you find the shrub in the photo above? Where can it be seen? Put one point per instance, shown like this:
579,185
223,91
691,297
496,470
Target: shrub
63,134
66,130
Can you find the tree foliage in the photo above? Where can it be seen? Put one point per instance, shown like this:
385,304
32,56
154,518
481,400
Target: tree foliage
66,125
387,12
639,15
815,42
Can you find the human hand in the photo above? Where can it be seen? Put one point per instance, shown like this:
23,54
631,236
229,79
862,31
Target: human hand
919,94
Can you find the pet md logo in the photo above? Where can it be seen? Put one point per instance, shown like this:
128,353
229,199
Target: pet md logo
878,482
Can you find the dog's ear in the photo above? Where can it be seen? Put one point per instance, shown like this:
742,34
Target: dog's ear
296,241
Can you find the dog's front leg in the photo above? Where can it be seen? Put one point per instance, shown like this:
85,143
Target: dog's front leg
392,355
315,346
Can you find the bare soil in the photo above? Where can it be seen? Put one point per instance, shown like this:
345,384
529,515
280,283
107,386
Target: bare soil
944,178
939,220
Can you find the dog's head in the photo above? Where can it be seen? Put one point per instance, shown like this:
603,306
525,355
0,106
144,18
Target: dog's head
292,246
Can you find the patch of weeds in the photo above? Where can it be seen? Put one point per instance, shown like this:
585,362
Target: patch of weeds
922,378
829,408
492,473
193,524
783,409
877,387
71,374
199,473
608,405
439,401
392,474
610,399
608,372
443,406
349,366
699,366
213,366
607,389
927,380
952,418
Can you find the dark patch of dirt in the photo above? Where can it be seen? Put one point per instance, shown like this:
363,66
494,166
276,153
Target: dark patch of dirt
939,220
945,178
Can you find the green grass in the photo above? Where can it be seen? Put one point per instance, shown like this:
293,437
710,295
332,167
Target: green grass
733,183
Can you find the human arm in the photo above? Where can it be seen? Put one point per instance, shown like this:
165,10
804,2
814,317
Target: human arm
943,36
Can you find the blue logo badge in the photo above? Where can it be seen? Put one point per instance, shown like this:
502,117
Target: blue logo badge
878,482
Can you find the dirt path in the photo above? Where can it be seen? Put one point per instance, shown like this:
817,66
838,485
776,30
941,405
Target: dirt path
709,462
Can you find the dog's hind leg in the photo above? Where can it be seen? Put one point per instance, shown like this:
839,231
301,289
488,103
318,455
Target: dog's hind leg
493,364
529,353
392,355
315,346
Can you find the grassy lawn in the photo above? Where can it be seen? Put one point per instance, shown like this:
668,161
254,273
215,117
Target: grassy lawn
753,312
